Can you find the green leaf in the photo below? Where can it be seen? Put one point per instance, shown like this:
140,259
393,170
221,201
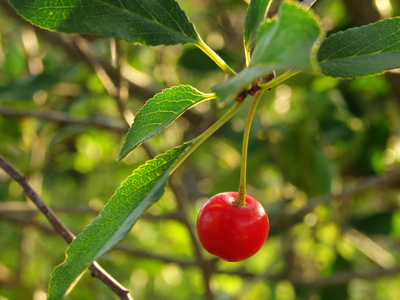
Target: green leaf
137,193
147,22
287,42
362,51
159,112
254,16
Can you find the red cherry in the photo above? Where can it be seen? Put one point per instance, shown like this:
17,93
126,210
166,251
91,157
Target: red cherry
231,232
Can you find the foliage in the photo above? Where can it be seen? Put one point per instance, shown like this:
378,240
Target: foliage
63,120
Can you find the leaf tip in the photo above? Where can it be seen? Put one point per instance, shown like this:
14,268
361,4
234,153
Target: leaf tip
122,155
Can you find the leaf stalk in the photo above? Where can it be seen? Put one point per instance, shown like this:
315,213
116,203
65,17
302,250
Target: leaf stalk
216,58
196,142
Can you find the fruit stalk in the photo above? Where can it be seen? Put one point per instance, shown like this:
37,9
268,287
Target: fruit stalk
241,197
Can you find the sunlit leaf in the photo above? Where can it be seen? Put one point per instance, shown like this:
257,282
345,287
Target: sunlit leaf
361,51
281,44
148,22
137,193
159,112
254,16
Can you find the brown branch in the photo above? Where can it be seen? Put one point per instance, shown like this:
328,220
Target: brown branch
24,207
59,117
207,267
344,277
253,276
137,89
146,255
141,253
348,191
98,272
83,46
59,227
163,258
61,40
37,200
334,280
121,83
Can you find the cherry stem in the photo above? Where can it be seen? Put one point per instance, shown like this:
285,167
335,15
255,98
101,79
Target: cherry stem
241,197
196,142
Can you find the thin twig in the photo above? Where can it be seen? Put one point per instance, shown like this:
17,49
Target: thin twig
115,92
144,254
23,221
105,79
62,41
67,235
207,267
60,228
344,277
347,191
60,117
163,258
97,271
334,280
121,83
12,207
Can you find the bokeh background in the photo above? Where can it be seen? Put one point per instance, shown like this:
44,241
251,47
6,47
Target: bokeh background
314,140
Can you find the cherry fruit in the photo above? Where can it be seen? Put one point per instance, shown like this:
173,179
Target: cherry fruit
231,232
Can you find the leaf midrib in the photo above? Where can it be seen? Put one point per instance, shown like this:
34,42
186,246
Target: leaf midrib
104,214
355,57
126,11
154,19
355,41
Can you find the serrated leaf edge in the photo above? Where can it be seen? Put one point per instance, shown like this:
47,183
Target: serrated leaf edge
168,122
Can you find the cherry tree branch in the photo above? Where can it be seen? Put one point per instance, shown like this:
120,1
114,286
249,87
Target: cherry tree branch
344,277
63,118
63,41
334,280
207,266
60,228
23,221
12,207
115,91
347,191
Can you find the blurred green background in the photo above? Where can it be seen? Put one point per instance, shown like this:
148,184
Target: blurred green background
311,136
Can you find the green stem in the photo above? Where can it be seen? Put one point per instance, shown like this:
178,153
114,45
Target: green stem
280,79
247,55
196,142
241,197
247,51
216,58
